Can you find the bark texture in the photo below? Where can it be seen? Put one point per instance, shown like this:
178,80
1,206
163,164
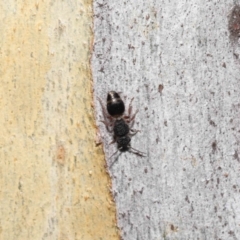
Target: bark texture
53,183
178,62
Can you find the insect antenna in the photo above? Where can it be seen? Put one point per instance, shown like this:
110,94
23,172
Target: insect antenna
115,158
113,154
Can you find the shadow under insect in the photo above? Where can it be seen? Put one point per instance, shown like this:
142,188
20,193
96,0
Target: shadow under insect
119,124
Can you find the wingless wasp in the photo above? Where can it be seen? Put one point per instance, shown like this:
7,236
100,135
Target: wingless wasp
120,124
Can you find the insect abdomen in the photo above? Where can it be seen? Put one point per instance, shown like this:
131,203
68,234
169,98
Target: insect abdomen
115,105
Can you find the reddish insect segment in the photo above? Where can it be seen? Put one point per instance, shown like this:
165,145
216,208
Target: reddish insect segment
119,124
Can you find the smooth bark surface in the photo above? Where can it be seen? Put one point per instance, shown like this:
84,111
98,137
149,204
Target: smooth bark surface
176,59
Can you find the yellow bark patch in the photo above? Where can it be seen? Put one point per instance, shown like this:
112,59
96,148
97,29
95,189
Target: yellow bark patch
53,183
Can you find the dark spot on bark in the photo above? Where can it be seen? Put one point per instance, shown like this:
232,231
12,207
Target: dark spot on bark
225,175
20,186
189,116
60,154
224,65
218,180
212,123
214,146
236,55
145,170
141,191
215,209
173,228
187,199
101,4
165,123
130,46
236,155
192,208
101,70
209,55
234,186
230,232
160,88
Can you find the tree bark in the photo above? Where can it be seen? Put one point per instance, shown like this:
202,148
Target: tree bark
178,62
53,183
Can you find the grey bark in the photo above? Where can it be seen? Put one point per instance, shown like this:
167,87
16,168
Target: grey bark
177,61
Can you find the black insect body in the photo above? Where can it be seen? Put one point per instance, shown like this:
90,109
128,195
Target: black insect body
124,143
120,124
120,128
115,105
121,132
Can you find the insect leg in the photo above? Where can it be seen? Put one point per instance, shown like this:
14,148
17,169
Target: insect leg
134,132
108,125
105,113
130,107
114,159
107,119
137,152
113,154
131,119
113,141
134,115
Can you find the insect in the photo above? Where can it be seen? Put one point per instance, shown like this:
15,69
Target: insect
120,124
